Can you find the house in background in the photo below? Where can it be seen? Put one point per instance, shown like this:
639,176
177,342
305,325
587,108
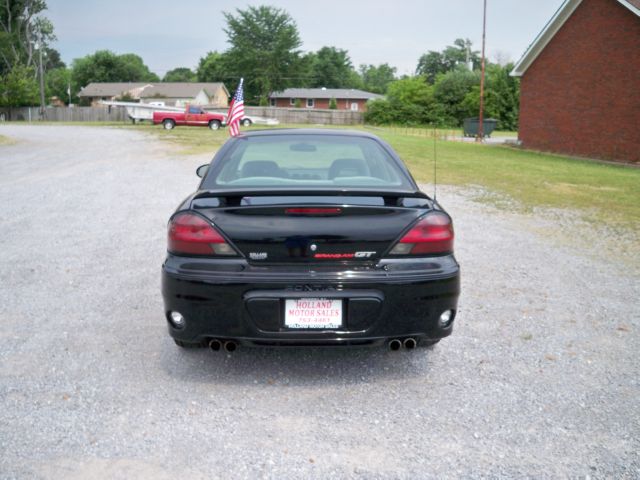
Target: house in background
180,93
169,93
346,99
580,82
111,91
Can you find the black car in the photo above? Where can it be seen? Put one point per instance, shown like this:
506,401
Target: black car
309,237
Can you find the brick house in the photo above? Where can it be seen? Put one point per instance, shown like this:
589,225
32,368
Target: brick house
580,82
346,98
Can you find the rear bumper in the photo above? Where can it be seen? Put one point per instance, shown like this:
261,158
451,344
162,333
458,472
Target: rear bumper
230,299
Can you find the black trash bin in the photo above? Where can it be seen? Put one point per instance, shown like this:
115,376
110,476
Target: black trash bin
471,125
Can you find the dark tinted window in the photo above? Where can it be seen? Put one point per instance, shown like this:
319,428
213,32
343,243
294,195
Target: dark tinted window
307,161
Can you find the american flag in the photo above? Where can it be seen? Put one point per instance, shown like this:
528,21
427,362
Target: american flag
236,111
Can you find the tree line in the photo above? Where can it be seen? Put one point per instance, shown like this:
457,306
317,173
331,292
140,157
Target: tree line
265,49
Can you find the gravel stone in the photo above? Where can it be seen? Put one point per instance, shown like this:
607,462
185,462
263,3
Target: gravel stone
538,380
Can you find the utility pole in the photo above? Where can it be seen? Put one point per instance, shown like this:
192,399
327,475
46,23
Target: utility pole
41,72
480,136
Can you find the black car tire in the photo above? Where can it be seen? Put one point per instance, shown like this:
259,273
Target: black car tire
427,343
182,344
168,124
214,125
246,122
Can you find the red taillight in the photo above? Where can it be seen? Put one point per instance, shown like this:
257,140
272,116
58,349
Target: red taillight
189,233
312,211
433,233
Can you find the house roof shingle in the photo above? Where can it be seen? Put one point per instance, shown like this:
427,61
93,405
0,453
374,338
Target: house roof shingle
181,89
328,93
160,89
109,89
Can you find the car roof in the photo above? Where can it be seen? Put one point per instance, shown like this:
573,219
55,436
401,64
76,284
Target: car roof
308,131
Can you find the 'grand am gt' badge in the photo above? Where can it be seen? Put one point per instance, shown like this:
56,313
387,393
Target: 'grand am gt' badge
338,256
258,255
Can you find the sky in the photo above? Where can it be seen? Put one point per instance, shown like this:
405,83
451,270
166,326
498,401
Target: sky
170,34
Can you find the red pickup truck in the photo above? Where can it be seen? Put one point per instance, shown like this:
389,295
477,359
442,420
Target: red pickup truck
192,115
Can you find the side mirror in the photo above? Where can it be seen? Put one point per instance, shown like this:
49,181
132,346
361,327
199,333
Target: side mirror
201,171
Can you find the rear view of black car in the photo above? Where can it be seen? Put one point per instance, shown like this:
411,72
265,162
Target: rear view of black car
309,237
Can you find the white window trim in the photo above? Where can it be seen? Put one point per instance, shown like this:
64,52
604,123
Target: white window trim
312,101
292,102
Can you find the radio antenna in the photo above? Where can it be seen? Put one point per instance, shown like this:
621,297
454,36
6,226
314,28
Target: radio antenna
435,164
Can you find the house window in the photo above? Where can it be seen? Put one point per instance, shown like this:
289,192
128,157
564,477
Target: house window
292,101
310,103
272,102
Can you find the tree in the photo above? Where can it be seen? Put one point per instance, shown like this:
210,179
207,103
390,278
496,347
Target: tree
57,82
106,66
410,90
430,65
460,53
264,49
21,26
331,68
51,59
333,104
377,79
18,88
507,95
213,67
180,74
409,101
306,70
133,67
433,63
502,94
450,90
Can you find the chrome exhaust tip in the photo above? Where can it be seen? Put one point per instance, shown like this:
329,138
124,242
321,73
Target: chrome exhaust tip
395,344
215,345
230,346
410,343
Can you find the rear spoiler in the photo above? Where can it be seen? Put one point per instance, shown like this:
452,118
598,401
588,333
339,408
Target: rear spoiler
233,198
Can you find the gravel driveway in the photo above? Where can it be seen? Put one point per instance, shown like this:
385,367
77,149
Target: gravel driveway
541,377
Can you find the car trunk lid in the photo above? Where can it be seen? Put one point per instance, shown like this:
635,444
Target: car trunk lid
312,229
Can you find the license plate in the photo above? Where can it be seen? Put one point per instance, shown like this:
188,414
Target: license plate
313,313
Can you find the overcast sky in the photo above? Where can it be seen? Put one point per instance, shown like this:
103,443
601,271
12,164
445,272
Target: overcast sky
169,34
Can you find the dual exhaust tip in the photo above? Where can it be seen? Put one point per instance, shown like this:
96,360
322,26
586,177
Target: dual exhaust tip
408,343
228,345
231,345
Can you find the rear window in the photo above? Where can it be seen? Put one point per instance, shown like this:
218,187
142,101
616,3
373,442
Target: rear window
307,161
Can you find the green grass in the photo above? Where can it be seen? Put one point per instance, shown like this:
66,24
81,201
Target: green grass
601,191
189,140
447,133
